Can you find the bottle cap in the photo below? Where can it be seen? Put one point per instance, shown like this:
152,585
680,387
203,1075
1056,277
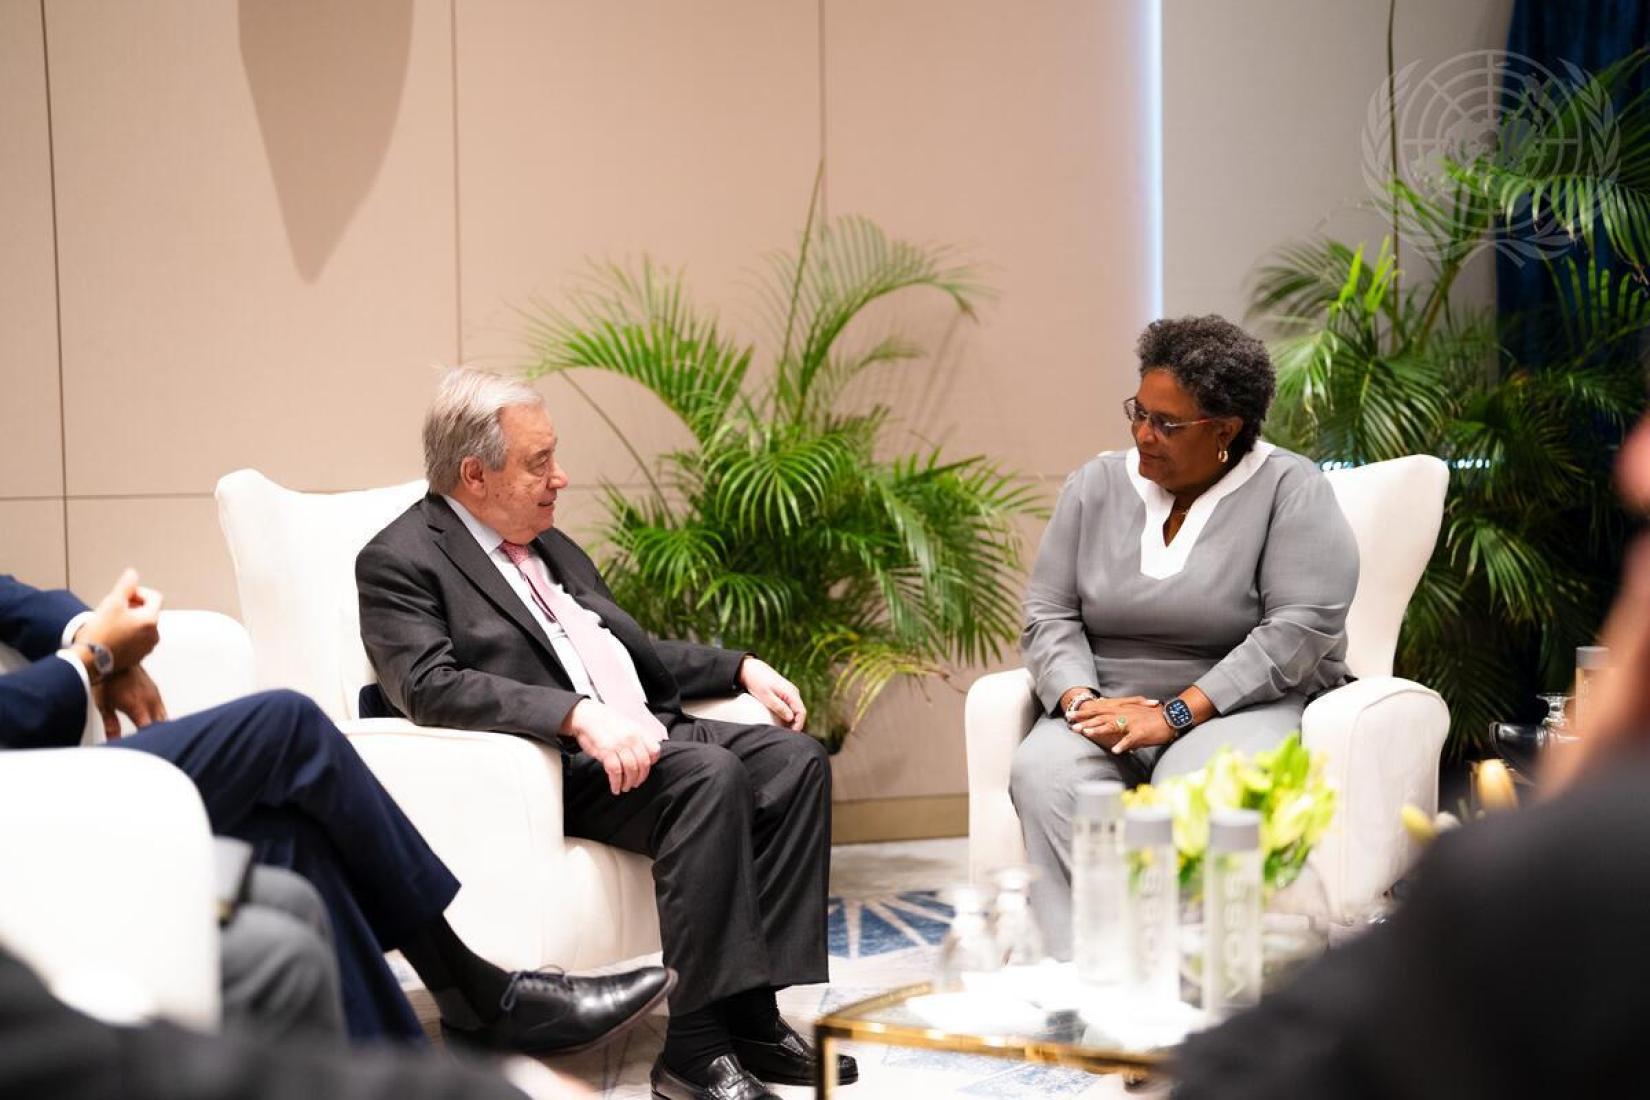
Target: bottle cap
1147,827
1100,799
1234,831
1592,656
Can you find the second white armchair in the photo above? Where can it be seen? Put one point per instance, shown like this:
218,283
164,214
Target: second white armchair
1382,735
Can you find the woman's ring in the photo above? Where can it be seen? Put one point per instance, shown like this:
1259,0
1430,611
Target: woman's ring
1122,724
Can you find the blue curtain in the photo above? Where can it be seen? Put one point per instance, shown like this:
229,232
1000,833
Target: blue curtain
1592,35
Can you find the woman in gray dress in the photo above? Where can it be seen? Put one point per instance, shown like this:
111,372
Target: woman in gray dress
1189,593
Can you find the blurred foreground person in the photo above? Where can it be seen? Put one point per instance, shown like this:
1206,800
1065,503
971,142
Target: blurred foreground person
1517,966
51,1052
273,771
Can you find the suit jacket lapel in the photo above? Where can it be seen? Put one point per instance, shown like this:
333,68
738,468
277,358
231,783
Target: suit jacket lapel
466,554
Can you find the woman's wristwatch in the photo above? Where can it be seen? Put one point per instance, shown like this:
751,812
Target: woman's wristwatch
1179,716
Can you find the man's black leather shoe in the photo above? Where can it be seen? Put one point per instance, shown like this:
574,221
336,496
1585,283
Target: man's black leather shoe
792,1060
727,1081
547,1012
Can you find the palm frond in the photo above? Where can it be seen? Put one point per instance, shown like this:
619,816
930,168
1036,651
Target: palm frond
638,323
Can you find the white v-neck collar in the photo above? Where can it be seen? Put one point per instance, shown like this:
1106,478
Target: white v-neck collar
1159,559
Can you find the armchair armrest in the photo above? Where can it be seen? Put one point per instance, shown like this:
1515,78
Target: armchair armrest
1382,738
490,806
203,659
1000,710
742,708
107,882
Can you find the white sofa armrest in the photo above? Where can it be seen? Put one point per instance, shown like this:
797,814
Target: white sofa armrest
1000,710
1382,738
742,708
107,887
489,804
203,659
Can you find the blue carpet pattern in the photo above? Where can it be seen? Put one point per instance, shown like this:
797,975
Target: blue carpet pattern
859,928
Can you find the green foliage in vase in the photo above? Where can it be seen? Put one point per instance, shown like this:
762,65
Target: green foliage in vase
1285,785
1375,362
784,528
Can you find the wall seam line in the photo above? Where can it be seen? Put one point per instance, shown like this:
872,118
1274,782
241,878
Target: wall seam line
458,225
57,295
824,164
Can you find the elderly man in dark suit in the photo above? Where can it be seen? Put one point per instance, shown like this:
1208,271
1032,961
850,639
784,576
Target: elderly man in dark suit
477,613
274,772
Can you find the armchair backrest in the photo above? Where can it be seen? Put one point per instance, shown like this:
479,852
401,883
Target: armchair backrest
1395,509
294,556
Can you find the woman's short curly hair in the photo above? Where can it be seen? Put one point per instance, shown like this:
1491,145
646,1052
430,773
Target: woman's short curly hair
1227,371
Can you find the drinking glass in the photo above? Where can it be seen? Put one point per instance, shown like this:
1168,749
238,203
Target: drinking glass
1018,937
1555,727
969,946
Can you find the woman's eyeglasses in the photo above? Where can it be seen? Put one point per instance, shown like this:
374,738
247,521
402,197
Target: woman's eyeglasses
1159,425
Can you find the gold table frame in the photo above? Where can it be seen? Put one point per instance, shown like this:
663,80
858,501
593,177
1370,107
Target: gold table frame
851,1023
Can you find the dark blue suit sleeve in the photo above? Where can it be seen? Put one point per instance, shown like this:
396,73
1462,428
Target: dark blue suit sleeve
32,619
42,706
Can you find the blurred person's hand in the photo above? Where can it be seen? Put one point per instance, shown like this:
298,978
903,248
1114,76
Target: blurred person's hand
1617,717
131,693
126,621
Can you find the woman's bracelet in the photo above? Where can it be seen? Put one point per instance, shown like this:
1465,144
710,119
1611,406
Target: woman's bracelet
1078,700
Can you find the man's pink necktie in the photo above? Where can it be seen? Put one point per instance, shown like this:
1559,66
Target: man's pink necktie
597,648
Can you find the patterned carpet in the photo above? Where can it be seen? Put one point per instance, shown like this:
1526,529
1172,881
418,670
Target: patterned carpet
876,943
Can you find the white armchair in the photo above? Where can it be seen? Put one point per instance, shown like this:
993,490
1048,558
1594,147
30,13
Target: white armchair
488,803
1382,735
112,898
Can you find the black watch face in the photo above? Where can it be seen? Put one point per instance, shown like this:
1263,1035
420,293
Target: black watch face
1178,713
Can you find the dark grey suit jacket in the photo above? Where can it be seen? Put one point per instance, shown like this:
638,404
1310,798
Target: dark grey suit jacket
453,645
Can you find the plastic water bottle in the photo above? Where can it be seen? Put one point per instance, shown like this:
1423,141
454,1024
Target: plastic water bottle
1152,910
1097,882
1232,912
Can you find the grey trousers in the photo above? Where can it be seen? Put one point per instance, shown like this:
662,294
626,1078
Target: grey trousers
280,972
1053,759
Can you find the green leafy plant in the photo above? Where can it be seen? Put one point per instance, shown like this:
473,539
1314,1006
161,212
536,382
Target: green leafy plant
782,527
1285,784
1375,362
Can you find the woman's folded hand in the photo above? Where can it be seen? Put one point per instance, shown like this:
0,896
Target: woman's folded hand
1121,724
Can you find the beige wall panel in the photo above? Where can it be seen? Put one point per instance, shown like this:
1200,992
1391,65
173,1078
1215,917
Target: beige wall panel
256,211
31,459
173,542
912,742
689,132
1264,109
1019,132
31,541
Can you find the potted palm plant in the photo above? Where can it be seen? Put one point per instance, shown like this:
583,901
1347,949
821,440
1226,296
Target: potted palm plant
1376,361
786,526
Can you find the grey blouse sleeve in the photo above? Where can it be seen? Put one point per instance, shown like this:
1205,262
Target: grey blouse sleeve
1308,573
1054,644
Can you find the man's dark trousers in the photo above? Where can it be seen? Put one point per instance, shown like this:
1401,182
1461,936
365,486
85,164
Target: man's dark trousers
273,770
728,813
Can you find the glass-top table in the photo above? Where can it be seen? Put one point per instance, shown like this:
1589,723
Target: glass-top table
1045,1015
1102,1035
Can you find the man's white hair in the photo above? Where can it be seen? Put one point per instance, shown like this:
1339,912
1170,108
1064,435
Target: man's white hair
463,421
